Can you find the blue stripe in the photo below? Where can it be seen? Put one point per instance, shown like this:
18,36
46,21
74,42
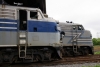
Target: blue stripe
83,43
86,37
7,25
8,29
42,26
8,20
79,37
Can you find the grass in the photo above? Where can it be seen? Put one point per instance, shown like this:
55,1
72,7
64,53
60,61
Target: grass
92,66
97,49
98,52
97,66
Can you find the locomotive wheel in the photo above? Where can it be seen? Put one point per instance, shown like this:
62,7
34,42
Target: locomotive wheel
1,58
75,54
14,59
48,56
39,58
92,53
71,53
86,51
60,54
82,52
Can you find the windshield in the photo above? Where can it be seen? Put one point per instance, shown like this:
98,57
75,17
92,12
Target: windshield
78,27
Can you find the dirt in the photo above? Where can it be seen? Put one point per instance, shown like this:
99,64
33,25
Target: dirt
96,48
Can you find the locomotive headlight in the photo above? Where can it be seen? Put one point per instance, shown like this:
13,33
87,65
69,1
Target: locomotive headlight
22,41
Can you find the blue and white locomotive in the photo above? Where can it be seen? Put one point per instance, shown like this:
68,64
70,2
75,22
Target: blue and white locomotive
25,34
75,39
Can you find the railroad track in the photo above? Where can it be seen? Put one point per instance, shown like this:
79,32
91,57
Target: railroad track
83,58
79,59
65,60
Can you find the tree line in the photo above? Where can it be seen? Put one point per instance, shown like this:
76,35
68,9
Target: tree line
96,41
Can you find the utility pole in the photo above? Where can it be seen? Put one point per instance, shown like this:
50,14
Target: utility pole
98,34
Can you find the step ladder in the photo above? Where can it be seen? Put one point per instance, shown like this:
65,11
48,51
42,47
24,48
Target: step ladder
74,39
75,46
22,43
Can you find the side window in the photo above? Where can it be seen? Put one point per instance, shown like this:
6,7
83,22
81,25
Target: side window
80,27
74,27
33,15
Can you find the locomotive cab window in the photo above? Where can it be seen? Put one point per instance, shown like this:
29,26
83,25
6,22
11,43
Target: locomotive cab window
35,15
80,27
74,27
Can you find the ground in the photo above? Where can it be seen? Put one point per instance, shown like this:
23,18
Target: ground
96,48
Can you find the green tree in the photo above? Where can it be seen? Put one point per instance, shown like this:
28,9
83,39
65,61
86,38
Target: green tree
98,41
94,40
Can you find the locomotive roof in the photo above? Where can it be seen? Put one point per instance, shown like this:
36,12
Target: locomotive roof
19,7
62,23
27,8
27,3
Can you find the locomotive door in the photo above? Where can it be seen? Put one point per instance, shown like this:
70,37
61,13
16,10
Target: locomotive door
74,38
22,33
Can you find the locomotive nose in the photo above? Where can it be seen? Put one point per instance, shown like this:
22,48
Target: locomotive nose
89,32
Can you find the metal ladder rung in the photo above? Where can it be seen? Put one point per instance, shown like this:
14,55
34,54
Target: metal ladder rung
22,37
22,51
75,46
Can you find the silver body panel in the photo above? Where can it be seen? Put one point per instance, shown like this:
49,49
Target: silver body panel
43,39
8,38
82,37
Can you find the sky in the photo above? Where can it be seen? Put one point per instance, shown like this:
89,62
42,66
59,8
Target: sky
85,12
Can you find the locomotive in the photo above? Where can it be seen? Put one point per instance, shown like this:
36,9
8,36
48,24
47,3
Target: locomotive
25,34
75,39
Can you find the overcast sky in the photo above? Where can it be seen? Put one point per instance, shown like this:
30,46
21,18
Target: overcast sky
85,12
